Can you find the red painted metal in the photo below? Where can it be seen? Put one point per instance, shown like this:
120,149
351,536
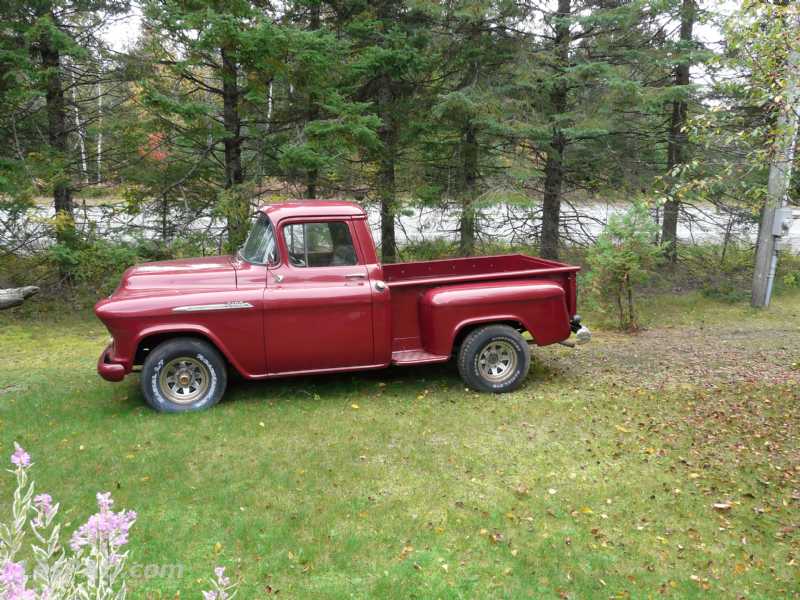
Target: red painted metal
284,320
537,305
109,370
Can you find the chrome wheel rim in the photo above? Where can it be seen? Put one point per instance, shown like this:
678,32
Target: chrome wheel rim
497,362
184,380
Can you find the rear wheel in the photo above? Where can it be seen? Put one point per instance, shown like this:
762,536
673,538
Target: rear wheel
494,358
182,375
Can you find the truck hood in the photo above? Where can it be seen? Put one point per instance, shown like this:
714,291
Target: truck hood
207,273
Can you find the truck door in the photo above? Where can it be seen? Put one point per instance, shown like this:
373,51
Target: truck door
318,302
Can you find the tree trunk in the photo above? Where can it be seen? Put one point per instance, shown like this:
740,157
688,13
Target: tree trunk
311,185
57,133
631,314
99,158
387,191
554,163
676,144
81,131
238,211
312,177
469,191
551,205
16,296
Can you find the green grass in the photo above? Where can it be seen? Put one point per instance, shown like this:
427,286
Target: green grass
401,484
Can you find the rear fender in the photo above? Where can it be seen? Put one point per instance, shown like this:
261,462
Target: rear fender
539,305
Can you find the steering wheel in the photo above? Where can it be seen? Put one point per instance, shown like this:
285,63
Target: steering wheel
297,261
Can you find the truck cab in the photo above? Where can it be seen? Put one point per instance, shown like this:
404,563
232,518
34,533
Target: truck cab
307,294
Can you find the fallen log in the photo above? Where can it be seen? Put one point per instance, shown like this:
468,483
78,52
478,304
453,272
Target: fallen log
16,296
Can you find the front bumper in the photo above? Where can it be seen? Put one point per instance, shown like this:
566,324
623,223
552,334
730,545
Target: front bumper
108,370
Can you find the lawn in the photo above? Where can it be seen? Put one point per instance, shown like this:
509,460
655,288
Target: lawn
599,478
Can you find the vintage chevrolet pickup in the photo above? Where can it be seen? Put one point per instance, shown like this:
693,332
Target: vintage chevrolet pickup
306,294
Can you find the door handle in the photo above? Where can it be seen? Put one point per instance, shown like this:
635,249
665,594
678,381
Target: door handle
355,276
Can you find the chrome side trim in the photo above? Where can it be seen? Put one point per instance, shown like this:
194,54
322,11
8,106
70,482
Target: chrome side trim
234,305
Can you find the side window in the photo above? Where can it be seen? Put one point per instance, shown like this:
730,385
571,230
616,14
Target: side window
326,244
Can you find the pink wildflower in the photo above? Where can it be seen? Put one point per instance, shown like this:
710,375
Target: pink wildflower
221,579
105,526
20,458
222,584
43,504
13,579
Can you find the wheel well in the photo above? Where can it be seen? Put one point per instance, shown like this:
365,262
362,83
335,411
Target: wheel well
462,333
148,343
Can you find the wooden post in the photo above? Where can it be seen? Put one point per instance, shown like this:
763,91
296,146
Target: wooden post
780,175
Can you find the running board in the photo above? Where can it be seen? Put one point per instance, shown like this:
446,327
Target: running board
417,357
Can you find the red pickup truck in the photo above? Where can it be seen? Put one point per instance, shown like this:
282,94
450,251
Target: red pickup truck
306,294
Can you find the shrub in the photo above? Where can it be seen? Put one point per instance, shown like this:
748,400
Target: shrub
94,564
721,272
428,249
94,267
622,258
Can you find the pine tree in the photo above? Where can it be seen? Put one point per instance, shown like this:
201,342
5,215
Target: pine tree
677,139
208,48
467,131
390,42
49,53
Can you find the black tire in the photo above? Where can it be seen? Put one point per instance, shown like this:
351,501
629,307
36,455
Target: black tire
506,347
191,360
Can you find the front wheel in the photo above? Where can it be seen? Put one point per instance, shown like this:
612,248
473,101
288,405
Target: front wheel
182,375
494,358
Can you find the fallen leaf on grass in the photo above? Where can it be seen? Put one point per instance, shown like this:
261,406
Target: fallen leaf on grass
722,506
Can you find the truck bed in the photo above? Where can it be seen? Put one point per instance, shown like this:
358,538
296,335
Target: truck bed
408,282
475,268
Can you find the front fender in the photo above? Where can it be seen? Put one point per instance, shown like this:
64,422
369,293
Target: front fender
236,329
190,329
539,305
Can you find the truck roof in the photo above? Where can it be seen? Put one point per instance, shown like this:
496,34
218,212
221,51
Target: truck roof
312,208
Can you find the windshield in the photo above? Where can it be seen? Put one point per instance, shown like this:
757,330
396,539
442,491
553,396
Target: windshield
260,246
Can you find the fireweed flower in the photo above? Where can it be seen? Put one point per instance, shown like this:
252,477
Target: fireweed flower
105,527
12,574
221,579
20,458
222,586
13,580
43,505
104,501
100,571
